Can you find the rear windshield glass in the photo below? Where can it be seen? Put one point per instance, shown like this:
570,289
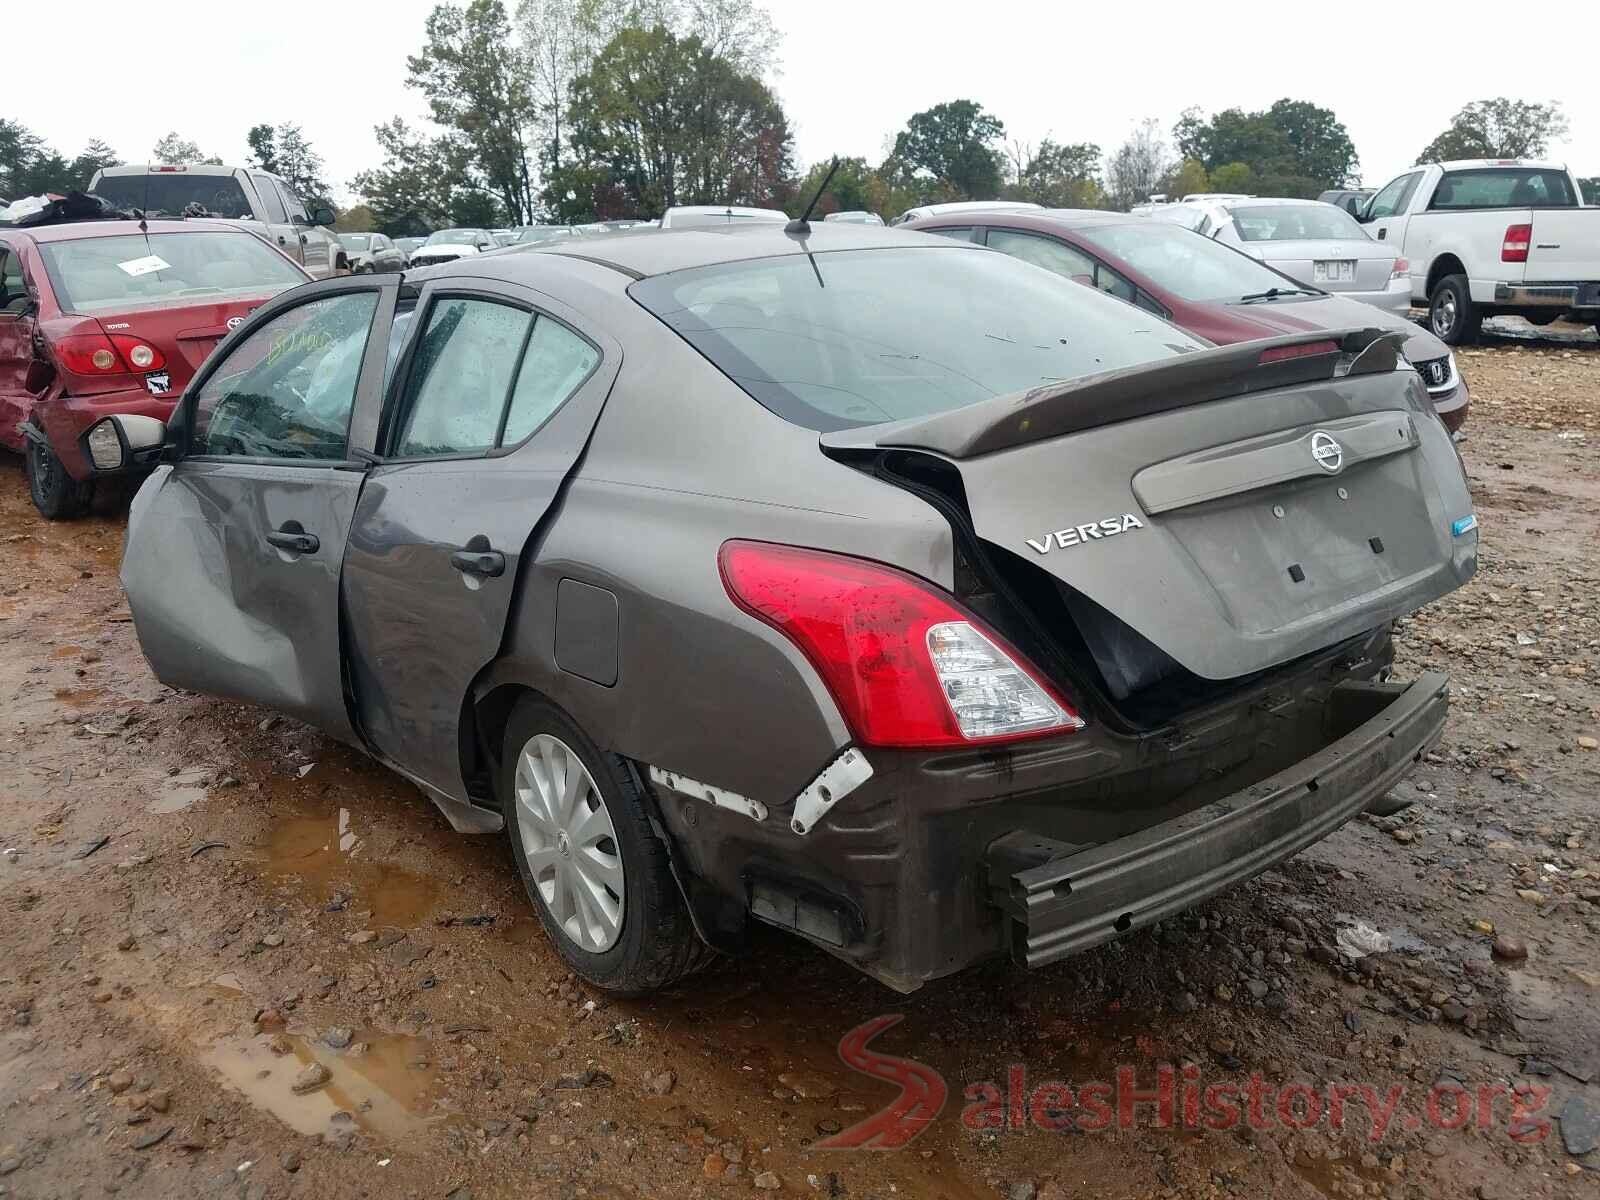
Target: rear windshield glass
1506,187
1295,223
856,337
115,274
177,194
457,237
355,241
1189,266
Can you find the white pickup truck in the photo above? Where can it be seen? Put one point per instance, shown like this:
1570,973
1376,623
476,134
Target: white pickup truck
1488,237
257,201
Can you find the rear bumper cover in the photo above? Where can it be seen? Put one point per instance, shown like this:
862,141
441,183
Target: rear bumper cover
1061,900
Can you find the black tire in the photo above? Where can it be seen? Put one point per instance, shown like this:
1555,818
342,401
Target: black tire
657,943
57,495
1452,316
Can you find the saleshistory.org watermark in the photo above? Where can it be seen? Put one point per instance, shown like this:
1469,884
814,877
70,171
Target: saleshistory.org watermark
1169,1097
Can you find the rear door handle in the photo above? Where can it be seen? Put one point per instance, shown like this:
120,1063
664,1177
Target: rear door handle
1383,233
485,563
296,541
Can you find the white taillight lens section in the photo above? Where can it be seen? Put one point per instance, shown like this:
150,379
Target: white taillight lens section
989,694
1401,268
141,356
105,447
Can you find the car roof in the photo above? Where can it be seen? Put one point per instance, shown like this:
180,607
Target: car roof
72,231
1466,164
1034,218
1274,201
174,169
647,252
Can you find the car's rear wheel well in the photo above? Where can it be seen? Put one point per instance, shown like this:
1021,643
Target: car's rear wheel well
483,734
1444,265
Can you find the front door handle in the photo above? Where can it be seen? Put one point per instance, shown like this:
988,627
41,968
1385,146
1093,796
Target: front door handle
485,563
295,540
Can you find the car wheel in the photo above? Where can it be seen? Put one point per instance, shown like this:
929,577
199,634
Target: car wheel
593,867
1452,316
55,494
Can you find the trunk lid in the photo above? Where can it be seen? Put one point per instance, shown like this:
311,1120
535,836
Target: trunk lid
1235,515
1373,262
185,335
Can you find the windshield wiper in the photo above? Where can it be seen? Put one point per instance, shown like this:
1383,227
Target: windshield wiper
1274,293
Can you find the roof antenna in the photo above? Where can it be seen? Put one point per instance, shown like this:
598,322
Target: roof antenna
801,224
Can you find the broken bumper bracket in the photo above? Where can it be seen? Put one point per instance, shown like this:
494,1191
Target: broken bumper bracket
1062,899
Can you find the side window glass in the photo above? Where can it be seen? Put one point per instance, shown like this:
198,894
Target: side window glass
286,391
1042,252
1108,280
1389,201
962,234
271,205
13,291
555,363
291,203
460,378
1150,304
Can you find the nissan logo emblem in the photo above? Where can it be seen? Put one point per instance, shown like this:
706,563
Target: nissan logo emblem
235,322
1326,450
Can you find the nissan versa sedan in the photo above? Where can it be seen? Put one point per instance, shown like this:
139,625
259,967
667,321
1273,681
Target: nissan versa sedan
1307,240
881,588
1210,290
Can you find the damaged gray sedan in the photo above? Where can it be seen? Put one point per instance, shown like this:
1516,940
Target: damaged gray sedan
878,587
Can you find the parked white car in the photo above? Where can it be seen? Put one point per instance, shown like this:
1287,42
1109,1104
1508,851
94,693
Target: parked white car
961,206
1486,237
704,216
448,245
1308,240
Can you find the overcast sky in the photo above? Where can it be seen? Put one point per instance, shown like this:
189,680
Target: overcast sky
850,75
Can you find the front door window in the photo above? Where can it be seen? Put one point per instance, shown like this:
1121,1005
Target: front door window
286,392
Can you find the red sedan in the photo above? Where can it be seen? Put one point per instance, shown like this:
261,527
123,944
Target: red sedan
111,316
1200,285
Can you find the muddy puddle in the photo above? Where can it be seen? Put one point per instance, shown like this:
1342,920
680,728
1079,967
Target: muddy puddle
325,852
384,1084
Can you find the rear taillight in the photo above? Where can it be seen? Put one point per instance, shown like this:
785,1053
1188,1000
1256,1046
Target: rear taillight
141,356
907,666
1515,246
1305,350
89,354
1401,268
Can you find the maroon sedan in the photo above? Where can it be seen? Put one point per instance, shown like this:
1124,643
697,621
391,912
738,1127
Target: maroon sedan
1202,286
113,316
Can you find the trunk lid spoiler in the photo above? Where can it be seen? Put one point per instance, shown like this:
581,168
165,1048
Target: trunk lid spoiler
1053,410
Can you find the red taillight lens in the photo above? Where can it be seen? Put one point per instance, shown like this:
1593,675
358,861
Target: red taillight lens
1515,246
89,354
1304,350
907,666
140,355
1401,268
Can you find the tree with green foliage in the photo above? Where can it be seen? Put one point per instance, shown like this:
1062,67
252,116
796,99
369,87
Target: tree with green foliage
176,150
475,76
1188,177
1235,177
358,218
30,167
660,120
96,156
1056,174
1293,148
954,144
1590,187
284,151
1498,128
856,187
424,183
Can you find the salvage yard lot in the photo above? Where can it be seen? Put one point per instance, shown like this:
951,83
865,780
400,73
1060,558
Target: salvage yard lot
196,893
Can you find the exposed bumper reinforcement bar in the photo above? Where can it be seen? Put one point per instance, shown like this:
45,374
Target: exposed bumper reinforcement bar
1063,899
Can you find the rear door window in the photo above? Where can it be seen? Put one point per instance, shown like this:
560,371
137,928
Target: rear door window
13,289
1503,187
1044,252
958,233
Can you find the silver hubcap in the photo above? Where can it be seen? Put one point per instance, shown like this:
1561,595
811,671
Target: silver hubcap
1444,314
570,843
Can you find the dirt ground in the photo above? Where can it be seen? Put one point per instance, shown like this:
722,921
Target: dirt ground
202,905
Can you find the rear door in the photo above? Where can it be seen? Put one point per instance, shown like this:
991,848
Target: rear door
232,558
491,406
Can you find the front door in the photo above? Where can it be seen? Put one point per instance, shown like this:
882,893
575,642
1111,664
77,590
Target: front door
280,231
492,404
232,559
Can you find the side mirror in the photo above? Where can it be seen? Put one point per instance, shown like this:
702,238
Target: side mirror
323,216
123,441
